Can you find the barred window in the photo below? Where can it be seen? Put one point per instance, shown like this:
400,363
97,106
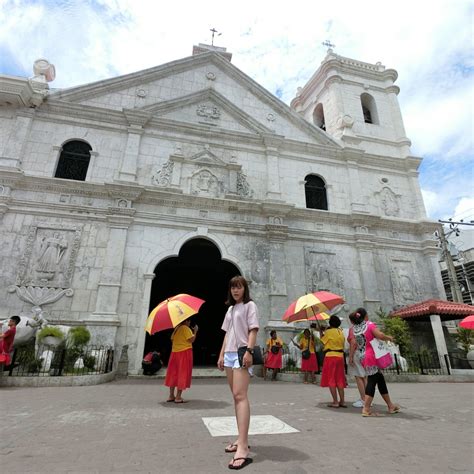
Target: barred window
315,190
74,161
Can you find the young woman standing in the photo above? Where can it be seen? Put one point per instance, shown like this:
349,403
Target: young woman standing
241,327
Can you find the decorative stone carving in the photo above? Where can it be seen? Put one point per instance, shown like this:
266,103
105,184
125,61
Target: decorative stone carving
49,257
208,111
404,283
38,296
271,117
204,182
162,177
141,93
211,76
388,200
322,272
243,187
260,263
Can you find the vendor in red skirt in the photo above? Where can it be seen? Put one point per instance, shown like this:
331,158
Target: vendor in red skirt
6,340
333,369
180,365
309,363
273,360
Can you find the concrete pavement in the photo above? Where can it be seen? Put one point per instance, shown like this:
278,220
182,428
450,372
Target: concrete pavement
125,426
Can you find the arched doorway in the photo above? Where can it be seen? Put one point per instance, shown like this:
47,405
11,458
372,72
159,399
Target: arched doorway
200,271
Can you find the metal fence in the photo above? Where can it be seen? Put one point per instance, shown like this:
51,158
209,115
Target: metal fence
61,360
423,363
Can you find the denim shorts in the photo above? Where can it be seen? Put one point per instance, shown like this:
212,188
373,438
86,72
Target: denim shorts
231,360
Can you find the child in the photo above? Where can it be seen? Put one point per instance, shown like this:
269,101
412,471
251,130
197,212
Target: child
6,340
241,327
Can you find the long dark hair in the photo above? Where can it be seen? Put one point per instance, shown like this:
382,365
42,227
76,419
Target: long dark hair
358,316
238,281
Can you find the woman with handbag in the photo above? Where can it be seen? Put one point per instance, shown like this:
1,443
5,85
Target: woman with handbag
333,375
273,359
367,335
309,363
238,354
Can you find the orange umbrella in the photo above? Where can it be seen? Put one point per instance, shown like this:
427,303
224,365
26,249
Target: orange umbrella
310,305
169,313
468,322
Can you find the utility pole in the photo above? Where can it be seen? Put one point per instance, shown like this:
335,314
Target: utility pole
453,278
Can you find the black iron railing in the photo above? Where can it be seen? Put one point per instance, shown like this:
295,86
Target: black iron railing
61,360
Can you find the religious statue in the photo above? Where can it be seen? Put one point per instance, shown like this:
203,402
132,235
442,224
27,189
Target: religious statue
52,250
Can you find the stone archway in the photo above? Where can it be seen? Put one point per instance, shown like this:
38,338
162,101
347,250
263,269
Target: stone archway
198,270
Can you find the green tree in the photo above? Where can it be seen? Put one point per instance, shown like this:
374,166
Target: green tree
399,329
465,338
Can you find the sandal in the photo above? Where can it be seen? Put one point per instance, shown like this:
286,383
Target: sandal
370,414
230,448
170,400
342,405
246,462
179,400
332,405
395,409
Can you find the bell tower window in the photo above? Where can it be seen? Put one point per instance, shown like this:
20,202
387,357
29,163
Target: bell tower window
74,161
369,109
318,117
315,191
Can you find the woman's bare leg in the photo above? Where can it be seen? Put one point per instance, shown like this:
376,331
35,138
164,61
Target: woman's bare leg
361,382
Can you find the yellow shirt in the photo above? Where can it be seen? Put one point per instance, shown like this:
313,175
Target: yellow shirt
273,342
180,339
333,339
304,344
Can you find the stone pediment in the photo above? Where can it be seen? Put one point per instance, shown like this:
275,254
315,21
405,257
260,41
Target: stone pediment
206,107
206,158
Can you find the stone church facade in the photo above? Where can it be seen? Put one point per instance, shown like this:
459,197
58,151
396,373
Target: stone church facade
102,182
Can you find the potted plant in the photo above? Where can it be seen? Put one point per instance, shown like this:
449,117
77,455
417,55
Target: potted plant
50,336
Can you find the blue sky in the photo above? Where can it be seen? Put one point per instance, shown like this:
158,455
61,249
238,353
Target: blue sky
278,44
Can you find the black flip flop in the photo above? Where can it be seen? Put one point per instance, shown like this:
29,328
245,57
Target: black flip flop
246,462
232,450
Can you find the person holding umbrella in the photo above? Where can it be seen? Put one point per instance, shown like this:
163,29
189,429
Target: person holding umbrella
241,327
180,365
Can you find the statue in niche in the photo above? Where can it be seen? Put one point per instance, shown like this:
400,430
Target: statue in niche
52,250
163,176
243,188
389,203
321,278
404,288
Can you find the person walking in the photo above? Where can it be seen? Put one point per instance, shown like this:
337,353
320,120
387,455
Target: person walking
241,327
355,367
364,332
6,341
180,366
333,375
309,363
274,357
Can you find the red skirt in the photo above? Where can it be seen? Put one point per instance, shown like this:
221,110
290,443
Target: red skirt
333,372
5,358
273,361
180,369
309,365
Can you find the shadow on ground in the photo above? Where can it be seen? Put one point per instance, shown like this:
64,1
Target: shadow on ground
193,404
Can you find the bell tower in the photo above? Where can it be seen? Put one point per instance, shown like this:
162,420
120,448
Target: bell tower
357,103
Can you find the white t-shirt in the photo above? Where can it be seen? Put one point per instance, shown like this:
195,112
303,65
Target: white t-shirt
239,320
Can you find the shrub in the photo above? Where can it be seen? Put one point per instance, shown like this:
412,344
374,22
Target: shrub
465,338
89,361
78,336
50,331
399,329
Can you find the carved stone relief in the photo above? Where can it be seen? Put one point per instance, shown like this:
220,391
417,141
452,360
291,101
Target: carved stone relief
405,282
243,187
49,257
322,272
260,263
208,111
389,202
205,183
162,177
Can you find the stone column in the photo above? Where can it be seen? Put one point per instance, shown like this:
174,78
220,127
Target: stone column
439,339
111,276
368,276
357,201
273,167
16,142
140,345
420,212
128,169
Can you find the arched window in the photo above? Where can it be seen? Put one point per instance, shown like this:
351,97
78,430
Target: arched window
315,190
318,117
74,161
369,109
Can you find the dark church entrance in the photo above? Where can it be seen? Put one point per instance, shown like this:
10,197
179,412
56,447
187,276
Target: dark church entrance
199,271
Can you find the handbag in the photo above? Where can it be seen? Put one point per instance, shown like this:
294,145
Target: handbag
383,356
306,354
275,349
257,355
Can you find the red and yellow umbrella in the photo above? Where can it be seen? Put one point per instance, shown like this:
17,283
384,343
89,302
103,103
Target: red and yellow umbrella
468,322
310,305
317,317
169,313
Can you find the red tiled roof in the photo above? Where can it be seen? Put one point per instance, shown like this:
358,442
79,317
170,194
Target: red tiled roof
448,310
